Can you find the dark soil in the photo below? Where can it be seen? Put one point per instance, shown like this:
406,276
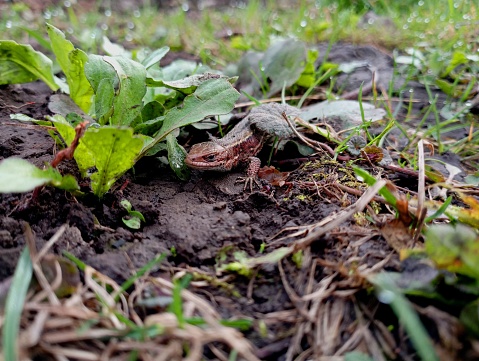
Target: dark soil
196,223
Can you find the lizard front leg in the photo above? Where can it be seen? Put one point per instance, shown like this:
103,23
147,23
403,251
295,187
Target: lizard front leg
251,174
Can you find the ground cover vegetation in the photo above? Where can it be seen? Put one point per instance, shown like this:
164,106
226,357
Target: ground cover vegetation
358,241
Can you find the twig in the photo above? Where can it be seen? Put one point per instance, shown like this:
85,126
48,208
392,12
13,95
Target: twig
340,217
68,152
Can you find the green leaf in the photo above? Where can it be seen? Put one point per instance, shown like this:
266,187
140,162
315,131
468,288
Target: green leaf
113,152
38,36
155,57
453,247
25,118
283,64
370,181
68,183
14,305
120,79
213,97
133,222
18,175
390,294
178,69
308,76
72,61
105,95
149,122
176,157
458,58
189,84
136,217
125,203
22,64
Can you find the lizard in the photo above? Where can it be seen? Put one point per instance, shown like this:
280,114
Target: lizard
243,142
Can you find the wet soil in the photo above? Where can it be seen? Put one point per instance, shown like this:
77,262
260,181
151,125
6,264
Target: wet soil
199,224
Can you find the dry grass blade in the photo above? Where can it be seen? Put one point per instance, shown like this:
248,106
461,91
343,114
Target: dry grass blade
93,324
421,191
218,332
319,230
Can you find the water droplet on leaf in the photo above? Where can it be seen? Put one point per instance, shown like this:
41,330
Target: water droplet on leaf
385,296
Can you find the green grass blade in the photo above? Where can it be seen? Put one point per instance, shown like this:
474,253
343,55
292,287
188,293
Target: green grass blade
176,305
129,282
14,305
390,294
370,181
440,211
81,266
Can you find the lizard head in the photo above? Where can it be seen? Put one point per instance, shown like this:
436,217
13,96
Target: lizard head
208,156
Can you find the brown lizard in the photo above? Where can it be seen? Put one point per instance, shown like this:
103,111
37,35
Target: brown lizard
243,142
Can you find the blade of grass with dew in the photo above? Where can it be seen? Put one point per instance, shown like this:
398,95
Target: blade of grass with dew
14,305
370,180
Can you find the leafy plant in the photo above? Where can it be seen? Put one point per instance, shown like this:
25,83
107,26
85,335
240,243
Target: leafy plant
135,217
114,90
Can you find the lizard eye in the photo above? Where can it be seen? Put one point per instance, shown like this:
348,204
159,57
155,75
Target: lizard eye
210,158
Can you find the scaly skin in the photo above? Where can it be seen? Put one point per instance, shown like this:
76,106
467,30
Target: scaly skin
243,142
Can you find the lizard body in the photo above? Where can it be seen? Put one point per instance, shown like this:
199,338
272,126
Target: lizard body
244,141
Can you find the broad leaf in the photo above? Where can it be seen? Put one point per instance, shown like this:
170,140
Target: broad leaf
119,86
25,118
213,97
22,64
72,61
113,152
454,247
283,64
18,176
178,69
187,85
346,113
113,49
